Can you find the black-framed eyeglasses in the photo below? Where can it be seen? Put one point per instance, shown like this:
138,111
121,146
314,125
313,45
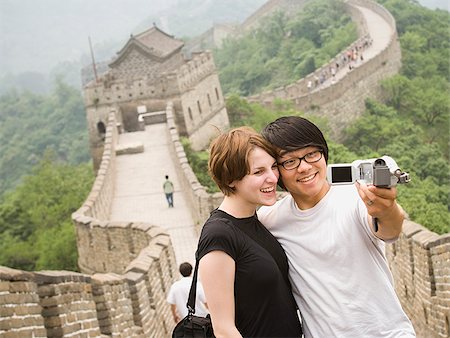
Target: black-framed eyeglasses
294,163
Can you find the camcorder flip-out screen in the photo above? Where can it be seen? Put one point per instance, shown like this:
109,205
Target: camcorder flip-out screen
341,174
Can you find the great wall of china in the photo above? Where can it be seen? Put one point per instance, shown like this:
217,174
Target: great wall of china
129,266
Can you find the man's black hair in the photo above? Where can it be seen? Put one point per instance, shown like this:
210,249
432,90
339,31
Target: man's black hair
185,269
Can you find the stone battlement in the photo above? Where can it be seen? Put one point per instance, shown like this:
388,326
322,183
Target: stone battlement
64,304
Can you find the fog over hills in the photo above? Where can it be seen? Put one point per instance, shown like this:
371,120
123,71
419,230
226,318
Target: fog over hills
433,4
38,36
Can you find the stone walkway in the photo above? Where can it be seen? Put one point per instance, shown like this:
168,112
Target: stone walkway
139,195
380,33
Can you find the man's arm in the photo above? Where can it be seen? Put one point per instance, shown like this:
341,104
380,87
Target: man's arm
381,204
175,315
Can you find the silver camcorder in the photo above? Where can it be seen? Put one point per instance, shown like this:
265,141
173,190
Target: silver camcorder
381,172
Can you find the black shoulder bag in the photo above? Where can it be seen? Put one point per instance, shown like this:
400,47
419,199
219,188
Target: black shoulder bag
193,326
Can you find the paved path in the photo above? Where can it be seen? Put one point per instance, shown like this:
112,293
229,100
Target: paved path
379,31
139,194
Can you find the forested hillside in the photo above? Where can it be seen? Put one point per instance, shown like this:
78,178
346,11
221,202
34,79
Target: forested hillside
284,49
45,175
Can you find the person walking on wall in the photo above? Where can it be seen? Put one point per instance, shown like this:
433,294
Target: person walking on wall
168,190
179,293
243,268
337,264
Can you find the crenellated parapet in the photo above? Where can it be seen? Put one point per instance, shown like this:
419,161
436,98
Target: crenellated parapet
420,264
110,90
194,71
64,303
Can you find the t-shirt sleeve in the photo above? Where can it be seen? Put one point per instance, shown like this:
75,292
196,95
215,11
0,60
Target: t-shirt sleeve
218,235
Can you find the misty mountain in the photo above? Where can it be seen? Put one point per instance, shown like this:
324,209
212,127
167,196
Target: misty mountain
193,17
37,35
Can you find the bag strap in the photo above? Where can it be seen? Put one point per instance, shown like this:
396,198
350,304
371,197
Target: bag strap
193,291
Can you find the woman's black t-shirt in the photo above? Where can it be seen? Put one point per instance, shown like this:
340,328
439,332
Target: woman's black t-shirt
264,305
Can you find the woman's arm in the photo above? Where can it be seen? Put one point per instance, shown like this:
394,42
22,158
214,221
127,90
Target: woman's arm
217,270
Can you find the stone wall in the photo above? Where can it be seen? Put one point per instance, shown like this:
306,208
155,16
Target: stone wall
202,102
420,264
69,304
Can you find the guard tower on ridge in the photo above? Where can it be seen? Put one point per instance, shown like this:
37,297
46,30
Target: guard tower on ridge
149,72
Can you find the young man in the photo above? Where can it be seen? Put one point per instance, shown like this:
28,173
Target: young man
337,265
168,191
179,293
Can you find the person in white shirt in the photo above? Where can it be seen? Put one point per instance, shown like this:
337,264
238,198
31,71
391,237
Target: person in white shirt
179,293
337,266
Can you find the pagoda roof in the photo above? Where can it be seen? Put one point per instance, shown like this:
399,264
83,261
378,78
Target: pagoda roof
153,42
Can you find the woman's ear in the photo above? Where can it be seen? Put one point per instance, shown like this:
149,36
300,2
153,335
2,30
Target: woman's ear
232,186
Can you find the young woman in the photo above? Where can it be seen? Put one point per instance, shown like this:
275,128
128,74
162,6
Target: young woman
243,269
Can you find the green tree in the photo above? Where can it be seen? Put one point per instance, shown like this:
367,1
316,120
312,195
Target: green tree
37,216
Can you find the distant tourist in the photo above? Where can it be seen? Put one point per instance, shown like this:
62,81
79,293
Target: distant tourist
179,293
168,190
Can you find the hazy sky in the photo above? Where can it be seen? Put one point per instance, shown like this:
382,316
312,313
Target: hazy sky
45,30
36,34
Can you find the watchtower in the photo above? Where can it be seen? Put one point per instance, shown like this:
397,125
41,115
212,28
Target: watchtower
147,73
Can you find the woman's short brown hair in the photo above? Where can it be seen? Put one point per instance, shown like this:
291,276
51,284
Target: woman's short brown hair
228,157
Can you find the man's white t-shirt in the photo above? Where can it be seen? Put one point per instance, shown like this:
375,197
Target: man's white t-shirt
179,293
338,269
